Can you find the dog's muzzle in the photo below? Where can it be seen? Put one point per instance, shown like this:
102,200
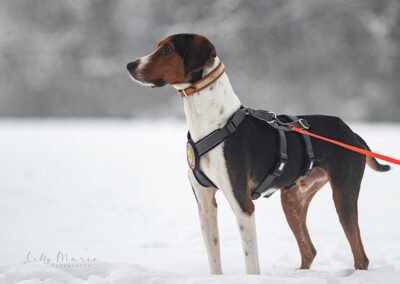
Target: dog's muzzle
132,66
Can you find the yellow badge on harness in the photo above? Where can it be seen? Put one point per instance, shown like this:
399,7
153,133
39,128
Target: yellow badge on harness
191,156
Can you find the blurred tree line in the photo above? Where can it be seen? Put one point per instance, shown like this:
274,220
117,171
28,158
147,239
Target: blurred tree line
67,58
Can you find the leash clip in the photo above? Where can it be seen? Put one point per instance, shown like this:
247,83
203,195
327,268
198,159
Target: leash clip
304,123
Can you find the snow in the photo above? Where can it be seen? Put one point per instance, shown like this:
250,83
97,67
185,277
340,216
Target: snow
116,194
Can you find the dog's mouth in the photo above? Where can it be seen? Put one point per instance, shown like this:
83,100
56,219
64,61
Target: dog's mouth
140,82
153,84
158,83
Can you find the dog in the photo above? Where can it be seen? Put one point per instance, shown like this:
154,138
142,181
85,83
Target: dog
238,164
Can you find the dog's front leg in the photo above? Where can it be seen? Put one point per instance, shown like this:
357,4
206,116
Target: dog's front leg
247,227
207,206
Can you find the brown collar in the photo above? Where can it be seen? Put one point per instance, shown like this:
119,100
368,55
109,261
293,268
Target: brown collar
204,82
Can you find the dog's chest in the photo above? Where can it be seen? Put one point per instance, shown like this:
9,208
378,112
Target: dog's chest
205,113
213,165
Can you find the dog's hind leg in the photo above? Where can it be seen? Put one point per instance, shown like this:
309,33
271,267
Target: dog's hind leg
295,202
345,184
207,207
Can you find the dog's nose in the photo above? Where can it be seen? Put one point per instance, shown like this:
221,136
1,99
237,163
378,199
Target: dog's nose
132,65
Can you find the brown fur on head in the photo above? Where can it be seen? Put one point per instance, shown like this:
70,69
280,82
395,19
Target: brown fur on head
178,59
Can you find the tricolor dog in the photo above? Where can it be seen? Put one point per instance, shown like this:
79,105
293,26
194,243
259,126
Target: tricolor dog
247,149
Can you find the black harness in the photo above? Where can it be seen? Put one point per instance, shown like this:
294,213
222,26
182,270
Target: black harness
196,150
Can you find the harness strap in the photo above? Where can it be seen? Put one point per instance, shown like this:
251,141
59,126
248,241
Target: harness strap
272,119
211,141
203,179
309,148
279,168
215,138
310,155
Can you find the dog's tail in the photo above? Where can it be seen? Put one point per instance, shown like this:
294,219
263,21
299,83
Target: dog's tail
372,162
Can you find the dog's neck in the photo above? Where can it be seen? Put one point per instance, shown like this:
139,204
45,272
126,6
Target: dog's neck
209,109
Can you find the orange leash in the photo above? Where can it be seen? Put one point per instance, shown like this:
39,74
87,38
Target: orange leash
347,146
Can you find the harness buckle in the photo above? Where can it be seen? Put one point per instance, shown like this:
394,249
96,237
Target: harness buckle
245,109
273,119
280,168
267,116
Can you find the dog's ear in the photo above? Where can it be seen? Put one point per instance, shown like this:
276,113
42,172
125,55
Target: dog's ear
182,43
197,52
201,53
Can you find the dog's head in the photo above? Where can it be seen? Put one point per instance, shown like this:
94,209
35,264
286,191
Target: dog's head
178,59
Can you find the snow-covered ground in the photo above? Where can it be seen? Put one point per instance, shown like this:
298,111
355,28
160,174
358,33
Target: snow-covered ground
116,194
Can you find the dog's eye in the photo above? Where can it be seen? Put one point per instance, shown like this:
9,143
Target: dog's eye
166,50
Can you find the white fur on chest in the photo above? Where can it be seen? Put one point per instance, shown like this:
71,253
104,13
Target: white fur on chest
211,108
206,112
